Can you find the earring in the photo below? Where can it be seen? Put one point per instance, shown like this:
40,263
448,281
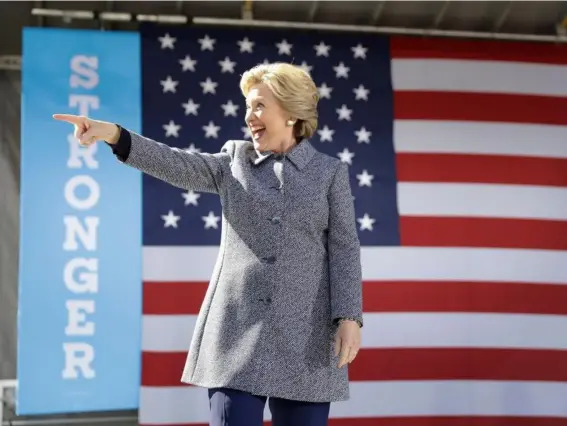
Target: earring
290,123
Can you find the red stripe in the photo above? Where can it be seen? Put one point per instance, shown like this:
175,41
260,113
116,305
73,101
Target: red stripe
437,48
173,298
394,296
164,369
424,421
459,364
469,168
483,232
424,105
457,296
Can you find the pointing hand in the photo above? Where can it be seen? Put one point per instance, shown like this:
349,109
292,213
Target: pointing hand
88,131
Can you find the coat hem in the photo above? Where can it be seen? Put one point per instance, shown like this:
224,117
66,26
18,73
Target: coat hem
267,394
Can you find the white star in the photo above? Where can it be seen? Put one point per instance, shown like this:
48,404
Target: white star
169,85
307,68
284,48
344,113
361,92
187,63
366,222
211,131
167,41
341,70
246,132
209,86
246,45
171,129
211,220
346,156
207,43
230,108
364,179
326,134
359,51
325,91
190,107
192,148
191,197
363,135
322,49
227,65
170,219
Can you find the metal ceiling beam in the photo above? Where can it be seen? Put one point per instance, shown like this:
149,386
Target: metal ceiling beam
561,26
247,10
181,20
10,62
424,32
377,12
40,19
108,8
503,16
441,14
313,10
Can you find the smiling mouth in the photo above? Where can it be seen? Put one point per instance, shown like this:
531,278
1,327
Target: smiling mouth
257,133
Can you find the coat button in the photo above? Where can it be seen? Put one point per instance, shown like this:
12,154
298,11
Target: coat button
276,220
268,300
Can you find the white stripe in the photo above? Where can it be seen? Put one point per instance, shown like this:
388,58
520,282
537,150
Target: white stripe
195,263
186,405
461,75
482,200
167,333
178,263
171,333
465,264
461,137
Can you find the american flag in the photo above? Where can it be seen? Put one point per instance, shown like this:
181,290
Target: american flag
458,161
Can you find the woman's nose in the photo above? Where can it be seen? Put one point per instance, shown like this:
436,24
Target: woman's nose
250,117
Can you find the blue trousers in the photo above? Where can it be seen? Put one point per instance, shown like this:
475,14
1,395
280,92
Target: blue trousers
231,407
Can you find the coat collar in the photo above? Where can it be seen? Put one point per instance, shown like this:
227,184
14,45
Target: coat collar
300,154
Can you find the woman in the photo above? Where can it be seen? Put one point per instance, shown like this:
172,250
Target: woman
282,315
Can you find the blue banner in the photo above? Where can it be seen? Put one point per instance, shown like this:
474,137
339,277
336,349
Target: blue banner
79,325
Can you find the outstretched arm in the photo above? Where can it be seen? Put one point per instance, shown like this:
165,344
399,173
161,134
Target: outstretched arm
189,170
201,172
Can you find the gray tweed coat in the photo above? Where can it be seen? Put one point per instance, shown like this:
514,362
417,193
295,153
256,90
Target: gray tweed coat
288,265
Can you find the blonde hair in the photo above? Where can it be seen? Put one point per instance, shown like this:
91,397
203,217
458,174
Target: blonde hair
293,88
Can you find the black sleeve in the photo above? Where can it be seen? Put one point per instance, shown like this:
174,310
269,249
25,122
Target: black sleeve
122,148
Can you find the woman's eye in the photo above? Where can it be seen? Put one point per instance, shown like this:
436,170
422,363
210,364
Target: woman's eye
258,105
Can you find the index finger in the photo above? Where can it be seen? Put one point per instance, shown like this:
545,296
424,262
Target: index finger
70,118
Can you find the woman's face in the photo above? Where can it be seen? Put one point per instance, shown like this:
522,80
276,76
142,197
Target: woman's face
267,120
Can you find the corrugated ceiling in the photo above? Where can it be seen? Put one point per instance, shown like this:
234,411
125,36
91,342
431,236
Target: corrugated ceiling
517,17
